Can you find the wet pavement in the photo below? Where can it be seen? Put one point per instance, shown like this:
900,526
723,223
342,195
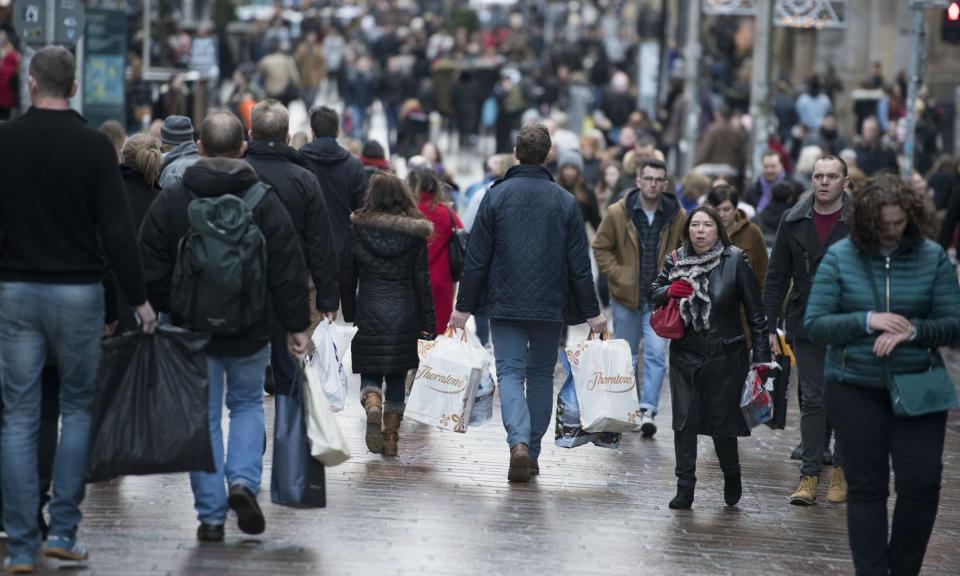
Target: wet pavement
444,507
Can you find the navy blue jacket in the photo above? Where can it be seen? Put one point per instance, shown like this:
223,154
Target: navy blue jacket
527,253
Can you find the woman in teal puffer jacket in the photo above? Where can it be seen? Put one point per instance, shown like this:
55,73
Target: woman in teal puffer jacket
884,300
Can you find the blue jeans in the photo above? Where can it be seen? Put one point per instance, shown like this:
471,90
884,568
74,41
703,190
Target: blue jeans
67,321
631,326
526,353
243,378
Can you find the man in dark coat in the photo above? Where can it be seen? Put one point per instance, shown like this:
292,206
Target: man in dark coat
236,362
341,176
285,170
528,270
872,155
805,233
64,217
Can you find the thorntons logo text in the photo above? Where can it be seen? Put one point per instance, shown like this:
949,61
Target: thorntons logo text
615,384
443,383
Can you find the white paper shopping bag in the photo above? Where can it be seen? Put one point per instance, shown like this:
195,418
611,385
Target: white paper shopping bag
446,384
606,385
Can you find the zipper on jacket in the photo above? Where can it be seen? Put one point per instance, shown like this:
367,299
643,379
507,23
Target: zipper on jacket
888,283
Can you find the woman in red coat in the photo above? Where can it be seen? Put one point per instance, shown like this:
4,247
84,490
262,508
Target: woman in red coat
424,182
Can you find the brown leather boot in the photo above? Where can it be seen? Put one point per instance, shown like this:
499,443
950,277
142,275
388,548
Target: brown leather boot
391,435
373,405
519,464
534,468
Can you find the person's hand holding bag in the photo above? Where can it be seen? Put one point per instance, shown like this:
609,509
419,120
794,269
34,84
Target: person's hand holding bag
679,289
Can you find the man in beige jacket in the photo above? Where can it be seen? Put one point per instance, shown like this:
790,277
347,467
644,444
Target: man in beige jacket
631,244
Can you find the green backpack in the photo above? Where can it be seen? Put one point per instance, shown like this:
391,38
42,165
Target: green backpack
220,277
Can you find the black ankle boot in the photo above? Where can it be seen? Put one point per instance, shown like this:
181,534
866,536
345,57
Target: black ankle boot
732,489
684,498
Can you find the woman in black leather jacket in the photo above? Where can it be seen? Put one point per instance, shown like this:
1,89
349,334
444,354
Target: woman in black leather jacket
708,366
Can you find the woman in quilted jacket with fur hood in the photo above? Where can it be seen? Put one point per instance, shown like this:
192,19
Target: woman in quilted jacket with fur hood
385,291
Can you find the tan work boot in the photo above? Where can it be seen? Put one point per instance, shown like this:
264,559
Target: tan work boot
806,494
373,405
837,492
391,435
519,464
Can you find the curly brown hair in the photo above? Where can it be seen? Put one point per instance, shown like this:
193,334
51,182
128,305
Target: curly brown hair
866,220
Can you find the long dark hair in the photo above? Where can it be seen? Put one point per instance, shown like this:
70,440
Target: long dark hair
388,194
424,179
712,213
866,217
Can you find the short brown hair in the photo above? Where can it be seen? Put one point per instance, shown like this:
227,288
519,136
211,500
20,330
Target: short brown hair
54,70
533,144
270,121
221,135
866,216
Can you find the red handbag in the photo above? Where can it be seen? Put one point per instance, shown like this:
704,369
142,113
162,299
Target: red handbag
666,320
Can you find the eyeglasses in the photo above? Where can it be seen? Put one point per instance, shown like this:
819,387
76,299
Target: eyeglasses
652,180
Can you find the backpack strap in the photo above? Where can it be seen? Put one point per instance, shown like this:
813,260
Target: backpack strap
254,195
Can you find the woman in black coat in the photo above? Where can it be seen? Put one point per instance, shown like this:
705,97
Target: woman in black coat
386,254
709,365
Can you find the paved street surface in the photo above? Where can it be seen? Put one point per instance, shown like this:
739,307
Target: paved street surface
445,507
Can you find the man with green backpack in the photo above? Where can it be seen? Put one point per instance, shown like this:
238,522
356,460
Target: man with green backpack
222,256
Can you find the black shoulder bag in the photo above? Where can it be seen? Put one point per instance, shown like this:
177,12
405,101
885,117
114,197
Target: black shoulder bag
458,248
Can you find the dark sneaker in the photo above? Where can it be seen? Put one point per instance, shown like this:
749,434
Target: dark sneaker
647,426
797,453
244,503
210,532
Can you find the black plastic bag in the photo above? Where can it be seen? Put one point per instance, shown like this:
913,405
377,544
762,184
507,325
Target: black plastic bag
150,413
781,386
297,479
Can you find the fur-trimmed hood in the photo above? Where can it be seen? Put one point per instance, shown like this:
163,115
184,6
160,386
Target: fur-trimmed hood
390,235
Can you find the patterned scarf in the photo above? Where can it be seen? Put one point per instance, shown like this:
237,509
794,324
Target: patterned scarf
694,268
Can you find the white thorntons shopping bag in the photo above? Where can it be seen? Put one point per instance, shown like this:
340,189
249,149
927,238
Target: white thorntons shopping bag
327,359
327,443
606,385
446,384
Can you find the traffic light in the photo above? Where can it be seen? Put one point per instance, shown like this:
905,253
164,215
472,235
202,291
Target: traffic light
950,30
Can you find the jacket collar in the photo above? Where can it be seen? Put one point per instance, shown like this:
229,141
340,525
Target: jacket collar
804,209
278,151
526,171
669,205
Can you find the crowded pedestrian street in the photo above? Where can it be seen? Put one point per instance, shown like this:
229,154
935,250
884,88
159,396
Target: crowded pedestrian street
480,287
445,505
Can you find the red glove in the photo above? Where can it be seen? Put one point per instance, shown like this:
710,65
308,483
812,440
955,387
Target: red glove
679,289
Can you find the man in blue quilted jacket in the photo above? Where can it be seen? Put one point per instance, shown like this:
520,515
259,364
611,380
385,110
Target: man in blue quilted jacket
528,270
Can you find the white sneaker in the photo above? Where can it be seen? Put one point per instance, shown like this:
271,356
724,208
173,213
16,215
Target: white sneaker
647,426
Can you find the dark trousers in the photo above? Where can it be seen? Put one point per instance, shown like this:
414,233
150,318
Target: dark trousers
813,414
869,435
283,364
395,393
685,445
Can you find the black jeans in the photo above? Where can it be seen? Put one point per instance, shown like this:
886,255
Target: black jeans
869,435
814,425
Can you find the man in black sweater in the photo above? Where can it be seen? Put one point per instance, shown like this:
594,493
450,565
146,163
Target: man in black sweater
64,216
285,170
235,362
